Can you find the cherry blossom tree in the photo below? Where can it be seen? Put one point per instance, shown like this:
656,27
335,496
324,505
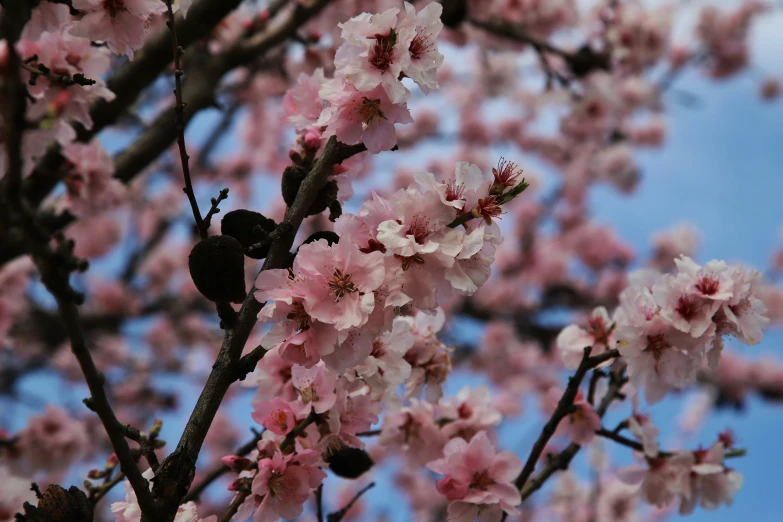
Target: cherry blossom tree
281,366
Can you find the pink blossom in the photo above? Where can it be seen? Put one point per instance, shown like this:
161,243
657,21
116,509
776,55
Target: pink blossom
46,17
476,474
663,481
420,226
413,430
375,52
302,104
283,485
644,430
386,367
54,440
470,412
712,281
337,282
711,483
744,315
361,116
315,387
687,311
581,423
91,187
659,357
122,24
452,190
425,58
275,415
597,333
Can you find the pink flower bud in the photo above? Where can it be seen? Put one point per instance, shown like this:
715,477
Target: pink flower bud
236,463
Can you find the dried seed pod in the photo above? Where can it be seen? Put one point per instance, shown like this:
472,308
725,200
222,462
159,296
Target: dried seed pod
329,236
349,462
59,505
249,228
217,266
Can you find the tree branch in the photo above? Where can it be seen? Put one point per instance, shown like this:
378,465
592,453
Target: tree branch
563,409
177,470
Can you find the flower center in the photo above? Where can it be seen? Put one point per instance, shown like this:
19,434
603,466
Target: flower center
708,285
279,418
114,7
308,395
378,349
487,209
419,229
419,46
454,192
597,329
657,345
370,110
341,284
505,173
382,54
481,480
464,411
298,315
687,307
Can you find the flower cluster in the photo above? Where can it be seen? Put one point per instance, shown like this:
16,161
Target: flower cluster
404,253
669,326
367,97
691,477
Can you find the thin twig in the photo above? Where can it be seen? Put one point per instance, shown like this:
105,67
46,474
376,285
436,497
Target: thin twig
214,208
105,488
179,108
337,516
235,504
99,403
288,443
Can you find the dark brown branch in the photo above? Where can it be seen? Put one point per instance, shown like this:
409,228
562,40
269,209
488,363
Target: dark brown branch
337,516
563,409
99,402
235,504
518,34
172,483
12,18
179,107
562,460
290,440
